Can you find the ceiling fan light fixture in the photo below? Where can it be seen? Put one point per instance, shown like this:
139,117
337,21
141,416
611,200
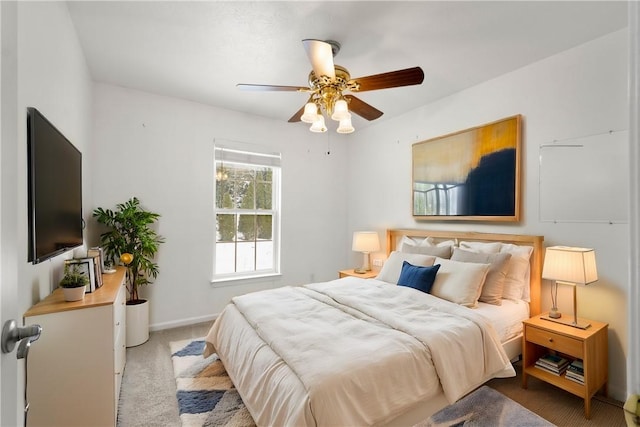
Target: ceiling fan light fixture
327,84
310,114
340,110
345,125
319,126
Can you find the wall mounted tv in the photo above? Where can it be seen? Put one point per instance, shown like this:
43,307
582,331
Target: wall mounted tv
55,190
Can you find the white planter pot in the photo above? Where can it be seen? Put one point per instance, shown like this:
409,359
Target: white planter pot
74,294
137,323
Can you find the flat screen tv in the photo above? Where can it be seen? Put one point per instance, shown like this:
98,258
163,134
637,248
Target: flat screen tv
55,190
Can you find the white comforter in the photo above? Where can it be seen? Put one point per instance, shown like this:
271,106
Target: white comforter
351,351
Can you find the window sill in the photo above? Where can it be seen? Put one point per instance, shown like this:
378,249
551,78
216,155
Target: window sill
241,280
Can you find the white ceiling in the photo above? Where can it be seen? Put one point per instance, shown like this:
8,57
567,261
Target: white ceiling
200,50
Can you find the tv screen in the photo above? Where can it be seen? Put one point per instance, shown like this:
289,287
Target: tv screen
55,190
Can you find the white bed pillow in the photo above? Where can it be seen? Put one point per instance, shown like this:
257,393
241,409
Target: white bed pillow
493,286
392,267
439,251
459,282
516,284
428,242
483,247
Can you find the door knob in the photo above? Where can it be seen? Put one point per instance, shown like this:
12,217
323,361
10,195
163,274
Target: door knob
12,333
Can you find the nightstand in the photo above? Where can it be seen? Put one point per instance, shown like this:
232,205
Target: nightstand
591,345
351,272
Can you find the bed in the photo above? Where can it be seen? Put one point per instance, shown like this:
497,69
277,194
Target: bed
370,352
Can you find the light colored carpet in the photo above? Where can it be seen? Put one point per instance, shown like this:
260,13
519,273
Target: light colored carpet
556,405
148,393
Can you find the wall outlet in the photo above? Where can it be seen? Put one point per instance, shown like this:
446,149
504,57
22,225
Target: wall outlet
378,262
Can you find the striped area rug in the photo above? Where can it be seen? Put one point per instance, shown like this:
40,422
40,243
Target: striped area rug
206,396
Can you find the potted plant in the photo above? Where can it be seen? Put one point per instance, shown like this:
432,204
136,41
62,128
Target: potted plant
73,283
131,241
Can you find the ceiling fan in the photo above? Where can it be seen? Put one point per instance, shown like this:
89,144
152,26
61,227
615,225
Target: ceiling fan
328,83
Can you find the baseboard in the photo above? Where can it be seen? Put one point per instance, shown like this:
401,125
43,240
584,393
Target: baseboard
182,322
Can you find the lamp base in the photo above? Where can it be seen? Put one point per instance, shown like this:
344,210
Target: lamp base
554,313
366,265
574,324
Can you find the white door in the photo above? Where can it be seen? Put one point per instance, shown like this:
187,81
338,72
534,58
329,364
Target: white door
10,401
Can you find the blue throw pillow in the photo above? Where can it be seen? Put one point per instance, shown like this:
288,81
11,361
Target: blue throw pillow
420,278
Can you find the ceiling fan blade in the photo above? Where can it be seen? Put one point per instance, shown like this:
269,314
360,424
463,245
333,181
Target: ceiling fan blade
362,109
297,116
321,57
271,88
406,77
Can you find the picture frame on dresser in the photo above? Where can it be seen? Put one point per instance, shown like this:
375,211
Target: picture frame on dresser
86,267
471,175
99,252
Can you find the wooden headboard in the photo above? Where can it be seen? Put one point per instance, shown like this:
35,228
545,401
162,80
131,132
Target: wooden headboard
537,257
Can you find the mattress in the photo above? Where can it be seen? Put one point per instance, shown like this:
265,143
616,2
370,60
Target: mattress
507,318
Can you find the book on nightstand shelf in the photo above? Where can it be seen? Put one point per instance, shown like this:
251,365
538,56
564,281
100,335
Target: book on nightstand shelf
575,371
553,363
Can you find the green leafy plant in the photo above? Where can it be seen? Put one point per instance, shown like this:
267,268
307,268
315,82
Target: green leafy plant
73,277
130,232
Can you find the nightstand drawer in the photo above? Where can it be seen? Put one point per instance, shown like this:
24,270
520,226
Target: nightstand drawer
553,341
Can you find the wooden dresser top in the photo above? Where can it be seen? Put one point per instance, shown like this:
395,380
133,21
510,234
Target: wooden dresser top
105,295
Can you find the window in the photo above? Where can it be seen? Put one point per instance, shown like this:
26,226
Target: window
247,205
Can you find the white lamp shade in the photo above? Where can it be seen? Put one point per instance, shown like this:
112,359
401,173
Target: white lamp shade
572,265
345,126
310,114
340,110
318,125
365,241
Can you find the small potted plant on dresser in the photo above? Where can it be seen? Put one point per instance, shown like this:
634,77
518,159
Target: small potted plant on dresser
131,241
73,283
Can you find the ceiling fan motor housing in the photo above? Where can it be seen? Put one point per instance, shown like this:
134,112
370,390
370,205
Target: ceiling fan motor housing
326,91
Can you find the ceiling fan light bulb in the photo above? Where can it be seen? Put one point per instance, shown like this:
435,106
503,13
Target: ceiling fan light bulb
310,114
340,110
318,125
345,125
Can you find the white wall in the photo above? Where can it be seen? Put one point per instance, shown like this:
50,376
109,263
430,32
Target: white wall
579,92
52,76
160,149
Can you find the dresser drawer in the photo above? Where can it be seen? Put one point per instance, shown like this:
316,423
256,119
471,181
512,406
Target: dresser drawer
120,358
119,306
554,341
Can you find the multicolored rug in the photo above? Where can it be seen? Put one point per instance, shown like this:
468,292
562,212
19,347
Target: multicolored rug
485,407
206,396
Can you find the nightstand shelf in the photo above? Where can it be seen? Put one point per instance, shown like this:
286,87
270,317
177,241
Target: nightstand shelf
351,272
591,346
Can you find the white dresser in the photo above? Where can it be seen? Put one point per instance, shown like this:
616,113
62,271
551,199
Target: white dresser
75,369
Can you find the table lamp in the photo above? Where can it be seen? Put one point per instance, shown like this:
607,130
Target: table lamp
365,242
568,265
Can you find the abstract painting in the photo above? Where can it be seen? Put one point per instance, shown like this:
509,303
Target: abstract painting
472,174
